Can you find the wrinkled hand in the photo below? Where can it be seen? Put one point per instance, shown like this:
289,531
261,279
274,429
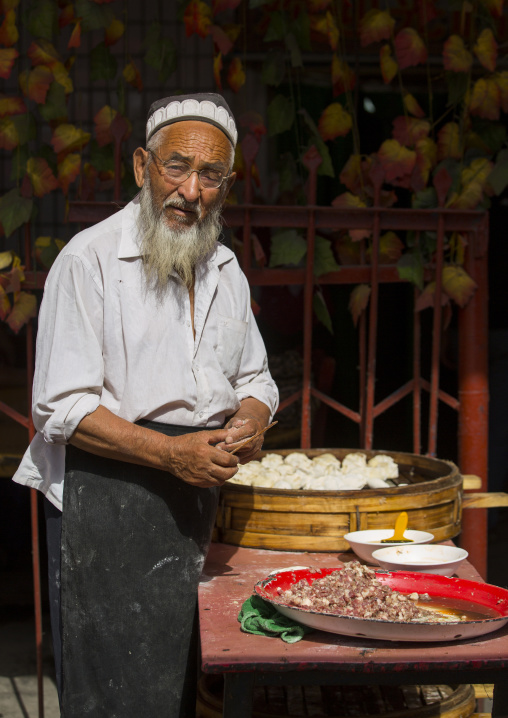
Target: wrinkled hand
195,459
239,430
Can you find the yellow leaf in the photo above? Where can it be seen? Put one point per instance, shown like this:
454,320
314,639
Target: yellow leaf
67,138
5,305
448,142
485,49
68,170
456,57
61,75
343,77
426,156
9,34
358,301
7,57
9,138
114,32
376,25
485,99
412,106
501,80
390,248
42,178
473,180
11,106
236,74
335,121
396,159
347,200
388,65
24,308
5,259
458,285
332,31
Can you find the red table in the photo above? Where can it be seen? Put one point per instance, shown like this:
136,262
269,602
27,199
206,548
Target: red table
320,658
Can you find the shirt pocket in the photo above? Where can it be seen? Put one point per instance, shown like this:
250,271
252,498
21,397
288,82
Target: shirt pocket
230,342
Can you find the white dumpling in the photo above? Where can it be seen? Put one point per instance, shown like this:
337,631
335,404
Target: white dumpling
282,484
389,466
353,480
373,482
299,460
272,460
319,470
353,462
326,459
285,469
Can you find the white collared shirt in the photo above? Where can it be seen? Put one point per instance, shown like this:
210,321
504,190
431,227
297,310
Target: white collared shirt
103,339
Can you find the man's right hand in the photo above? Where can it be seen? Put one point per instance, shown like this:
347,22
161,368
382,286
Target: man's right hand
195,459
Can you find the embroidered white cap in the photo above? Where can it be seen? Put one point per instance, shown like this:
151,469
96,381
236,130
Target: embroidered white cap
205,106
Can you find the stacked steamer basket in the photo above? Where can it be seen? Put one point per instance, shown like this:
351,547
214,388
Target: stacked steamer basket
430,490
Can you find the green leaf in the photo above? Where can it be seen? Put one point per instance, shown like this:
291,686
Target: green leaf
425,199
102,158
324,259
294,51
20,157
55,107
287,247
47,250
15,210
492,134
300,27
321,311
281,115
25,127
93,16
410,266
43,19
457,83
498,178
277,29
274,68
160,53
103,66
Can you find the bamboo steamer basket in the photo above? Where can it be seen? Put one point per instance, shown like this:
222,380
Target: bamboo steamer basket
300,520
444,701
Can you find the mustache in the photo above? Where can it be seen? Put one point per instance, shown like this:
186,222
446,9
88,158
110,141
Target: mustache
182,203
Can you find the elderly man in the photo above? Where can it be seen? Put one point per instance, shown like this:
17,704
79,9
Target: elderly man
150,368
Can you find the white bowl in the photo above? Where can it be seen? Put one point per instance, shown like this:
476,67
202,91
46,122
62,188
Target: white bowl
364,543
441,560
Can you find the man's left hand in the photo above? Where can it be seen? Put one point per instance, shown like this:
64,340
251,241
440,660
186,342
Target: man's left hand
252,416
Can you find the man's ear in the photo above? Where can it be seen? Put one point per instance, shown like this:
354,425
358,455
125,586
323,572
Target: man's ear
139,160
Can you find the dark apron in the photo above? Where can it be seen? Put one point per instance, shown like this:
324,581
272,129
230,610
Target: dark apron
134,541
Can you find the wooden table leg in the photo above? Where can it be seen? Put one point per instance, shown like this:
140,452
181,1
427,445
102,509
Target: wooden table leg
238,695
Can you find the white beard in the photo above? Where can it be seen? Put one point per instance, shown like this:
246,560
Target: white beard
165,249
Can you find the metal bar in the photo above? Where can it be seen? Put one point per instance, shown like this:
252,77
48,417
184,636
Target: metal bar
417,392
436,342
353,415
474,400
442,395
13,414
290,400
393,398
34,514
372,340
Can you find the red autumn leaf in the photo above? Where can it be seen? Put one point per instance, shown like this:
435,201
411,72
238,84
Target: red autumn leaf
23,309
254,122
426,11
396,160
197,18
346,200
428,296
6,5
75,38
5,305
66,15
11,280
221,5
501,80
376,25
485,100
9,34
102,121
358,301
343,77
114,32
495,7
408,130
354,174
217,67
220,39
334,122
41,175
7,57
68,138
426,157
388,65
35,83
42,52
133,76
409,48
458,285
236,74
11,106
68,170
412,106
9,138
448,142
456,58
485,49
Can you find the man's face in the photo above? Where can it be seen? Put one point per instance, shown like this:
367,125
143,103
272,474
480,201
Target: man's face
198,145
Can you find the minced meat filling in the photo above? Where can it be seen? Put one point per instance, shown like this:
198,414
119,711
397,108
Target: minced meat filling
355,591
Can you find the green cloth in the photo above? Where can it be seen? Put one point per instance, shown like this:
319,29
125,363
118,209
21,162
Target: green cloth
260,617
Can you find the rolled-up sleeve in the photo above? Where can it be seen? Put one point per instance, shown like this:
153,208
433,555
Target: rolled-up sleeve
69,359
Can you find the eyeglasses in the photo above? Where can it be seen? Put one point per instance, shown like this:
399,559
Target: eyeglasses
178,172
